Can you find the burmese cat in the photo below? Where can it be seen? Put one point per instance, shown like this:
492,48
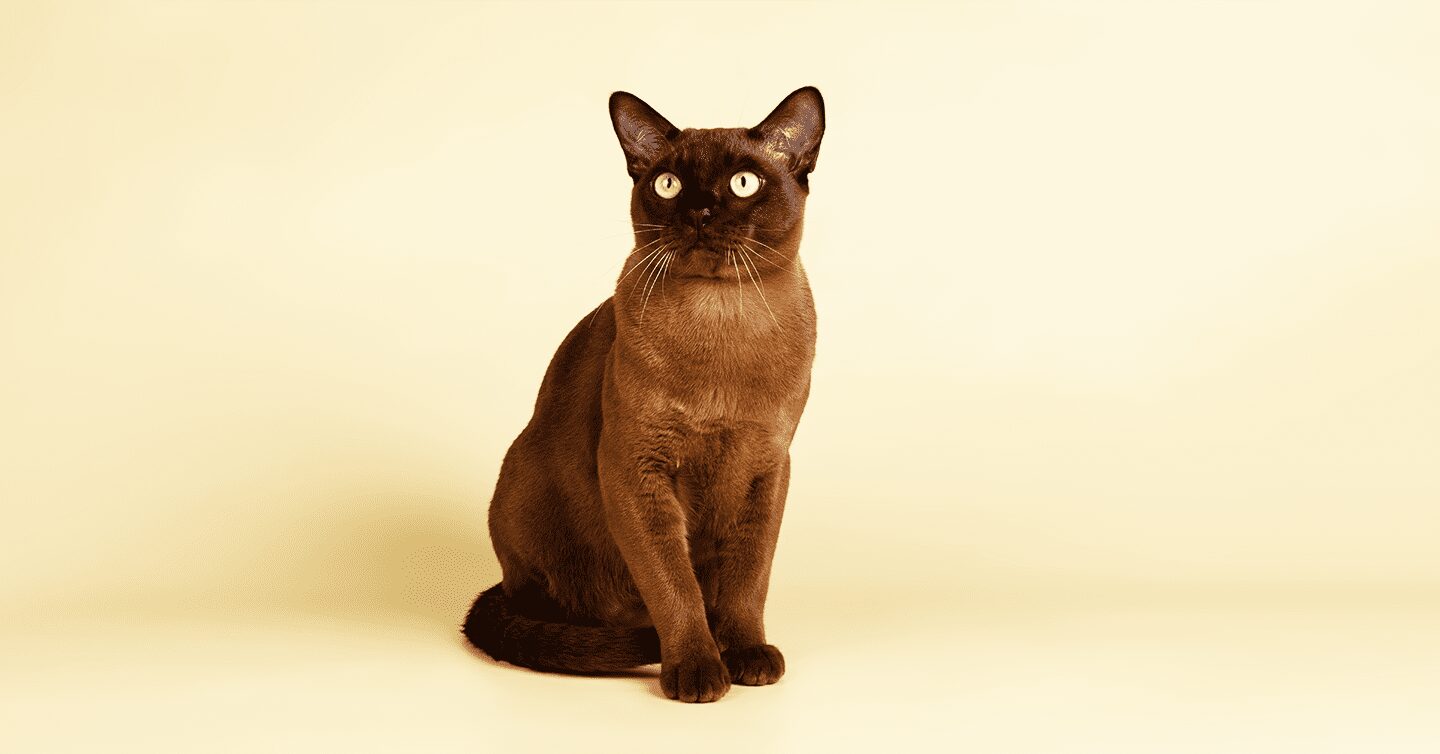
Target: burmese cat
635,517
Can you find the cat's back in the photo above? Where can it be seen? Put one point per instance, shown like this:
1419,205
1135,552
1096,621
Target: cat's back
567,408
547,491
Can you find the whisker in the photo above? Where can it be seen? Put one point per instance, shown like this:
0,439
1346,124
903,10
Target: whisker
794,270
637,264
624,260
738,283
759,288
768,246
595,314
665,273
645,275
651,242
632,270
641,248
762,257
651,287
631,233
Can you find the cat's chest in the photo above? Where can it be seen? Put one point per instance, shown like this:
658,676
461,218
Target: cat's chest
752,377
698,409
736,403
705,442
714,329
703,361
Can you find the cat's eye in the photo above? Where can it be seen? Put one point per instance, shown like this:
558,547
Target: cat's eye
667,185
744,183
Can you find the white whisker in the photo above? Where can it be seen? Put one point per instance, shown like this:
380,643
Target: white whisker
739,284
651,287
643,246
759,288
778,253
637,266
647,258
794,270
762,256
665,271
645,274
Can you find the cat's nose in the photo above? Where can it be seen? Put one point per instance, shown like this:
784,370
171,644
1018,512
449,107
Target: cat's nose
700,217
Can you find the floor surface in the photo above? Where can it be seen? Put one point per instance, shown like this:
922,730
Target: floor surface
1021,673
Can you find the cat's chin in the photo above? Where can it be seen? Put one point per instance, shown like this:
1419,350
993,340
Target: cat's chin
713,277
700,263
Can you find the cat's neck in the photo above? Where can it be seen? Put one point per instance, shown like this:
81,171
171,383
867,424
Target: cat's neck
750,305
716,347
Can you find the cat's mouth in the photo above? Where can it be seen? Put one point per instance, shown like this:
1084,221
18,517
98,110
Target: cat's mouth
702,266
706,259
711,254
708,243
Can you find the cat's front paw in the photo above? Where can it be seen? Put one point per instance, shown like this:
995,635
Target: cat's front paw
758,665
695,679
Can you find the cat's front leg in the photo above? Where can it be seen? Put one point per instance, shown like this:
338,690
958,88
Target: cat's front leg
646,519
744,554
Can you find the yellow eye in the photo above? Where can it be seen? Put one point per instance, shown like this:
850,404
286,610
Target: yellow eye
744,183
667,185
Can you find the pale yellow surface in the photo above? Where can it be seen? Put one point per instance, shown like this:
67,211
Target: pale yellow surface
1125,431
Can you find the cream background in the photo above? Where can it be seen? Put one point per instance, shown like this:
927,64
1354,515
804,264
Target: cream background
1124,431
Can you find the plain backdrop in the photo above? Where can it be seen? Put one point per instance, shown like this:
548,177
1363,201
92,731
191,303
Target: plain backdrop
1128,318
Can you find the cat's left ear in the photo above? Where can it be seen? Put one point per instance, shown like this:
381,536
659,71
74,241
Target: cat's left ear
644,133
792,132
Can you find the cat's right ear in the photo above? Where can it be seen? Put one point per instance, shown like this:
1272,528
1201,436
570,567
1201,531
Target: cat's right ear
644,133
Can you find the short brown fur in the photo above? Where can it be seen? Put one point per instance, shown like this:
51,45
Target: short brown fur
648,488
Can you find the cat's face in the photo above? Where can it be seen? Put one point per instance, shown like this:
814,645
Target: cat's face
720,199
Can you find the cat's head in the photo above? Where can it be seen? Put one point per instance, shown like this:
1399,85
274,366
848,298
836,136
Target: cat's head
706,194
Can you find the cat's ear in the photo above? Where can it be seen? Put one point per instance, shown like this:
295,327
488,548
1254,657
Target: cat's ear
792,132
643,132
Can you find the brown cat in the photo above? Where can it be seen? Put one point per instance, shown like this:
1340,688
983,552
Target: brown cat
635,517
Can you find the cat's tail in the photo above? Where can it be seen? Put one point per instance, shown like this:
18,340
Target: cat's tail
498,630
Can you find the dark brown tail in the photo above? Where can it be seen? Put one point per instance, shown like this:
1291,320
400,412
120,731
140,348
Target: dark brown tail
505,634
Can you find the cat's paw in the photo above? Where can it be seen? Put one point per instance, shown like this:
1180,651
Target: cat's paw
695,679
758,665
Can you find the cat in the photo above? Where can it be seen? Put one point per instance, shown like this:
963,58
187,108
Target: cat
635,517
